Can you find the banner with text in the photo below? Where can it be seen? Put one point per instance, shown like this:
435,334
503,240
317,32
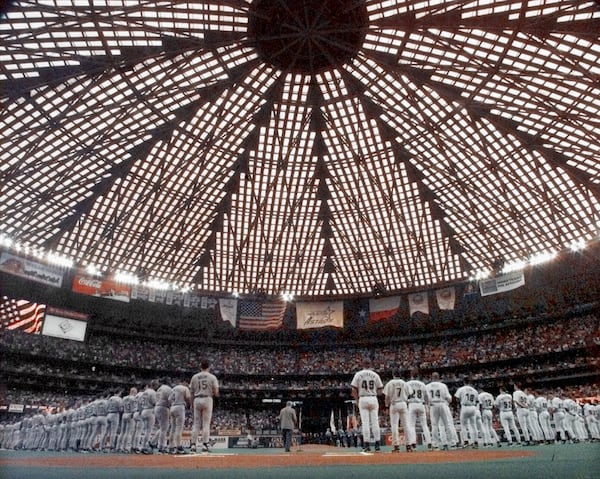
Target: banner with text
446,298
65,324
31,270
101,287
228,309
320,314
502,283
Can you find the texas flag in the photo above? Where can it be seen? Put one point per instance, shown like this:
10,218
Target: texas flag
383,308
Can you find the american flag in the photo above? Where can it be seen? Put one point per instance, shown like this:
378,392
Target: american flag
22,315
255,315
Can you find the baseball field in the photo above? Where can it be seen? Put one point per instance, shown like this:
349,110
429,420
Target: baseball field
559,461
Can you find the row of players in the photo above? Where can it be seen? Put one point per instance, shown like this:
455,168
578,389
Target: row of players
412,402
154,417
139,422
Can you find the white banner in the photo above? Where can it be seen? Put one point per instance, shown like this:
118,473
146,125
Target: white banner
446,298
30,269
418,302
320,314
502,283
228,308
66,328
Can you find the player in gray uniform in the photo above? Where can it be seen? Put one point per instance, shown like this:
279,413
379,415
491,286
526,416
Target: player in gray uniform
101,422
504,403
161,412
127,423
417,402
113,418
440,413
366,386
148,402
138,427
204,387
396,392
180,399
467,398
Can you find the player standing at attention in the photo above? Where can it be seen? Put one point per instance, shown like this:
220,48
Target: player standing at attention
558,415
204,386
127,424
161,412
147,416
396,393
180,398
416,412
522,408
440,413
467,397
504,403
486,403
541,404
115,407
366,386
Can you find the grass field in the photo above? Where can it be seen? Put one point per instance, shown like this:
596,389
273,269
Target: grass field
561,461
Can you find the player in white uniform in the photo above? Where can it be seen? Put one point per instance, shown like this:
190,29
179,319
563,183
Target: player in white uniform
486,404
591,421
417,402
396,392
504,403
125,441
534,420
467,398
440,413
366,386
522,409
558,415
204,386
541,404
180,399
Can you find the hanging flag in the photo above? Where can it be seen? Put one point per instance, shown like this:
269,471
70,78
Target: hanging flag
332,423
502,283
228,309
446,298
418,302
23,315
383,308
321,314
256,315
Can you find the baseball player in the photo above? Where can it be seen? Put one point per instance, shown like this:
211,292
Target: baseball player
541,405
558,415
366,386
486,404
147,415
180,399
504,403
417,401
161,412
534,420
591,421
127,424
396,393
467,398
101,422
204,387
522,408
114,408
440,413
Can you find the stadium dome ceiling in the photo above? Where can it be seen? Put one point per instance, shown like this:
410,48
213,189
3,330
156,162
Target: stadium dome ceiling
317,147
